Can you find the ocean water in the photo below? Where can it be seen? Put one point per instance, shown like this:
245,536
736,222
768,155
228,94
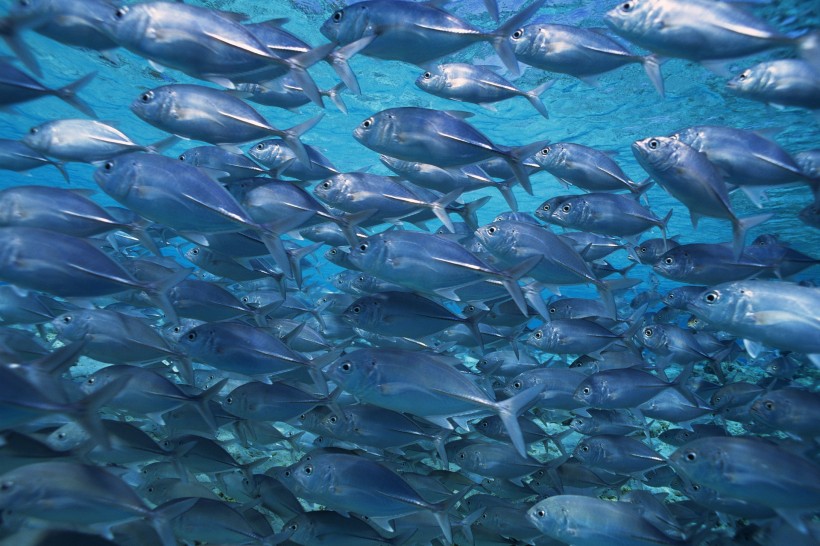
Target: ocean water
620,108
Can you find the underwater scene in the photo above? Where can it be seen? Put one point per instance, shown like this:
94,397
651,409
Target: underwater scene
393,272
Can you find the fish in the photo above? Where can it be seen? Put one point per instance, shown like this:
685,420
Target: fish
776,313
784,82
585,167
18,87
441,138
477,84
417,33
577,51
690,177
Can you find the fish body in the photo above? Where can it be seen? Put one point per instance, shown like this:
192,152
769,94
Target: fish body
698,30
778,314
580,52
785,82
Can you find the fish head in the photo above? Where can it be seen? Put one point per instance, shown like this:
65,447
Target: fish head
336,255
470,458
197,255
199,340
546,209
751,80
67,437
379,132
529,40
549,516
519,383
569,212
632,18
271,153
355,371
30,13
433,80
346,25
129,26
719,304
117,176
498,236
673,264
334,190
370,253
39,137
656,154
363,313
541,338
155,106
652,336
592,391
699,461
72,326
589,451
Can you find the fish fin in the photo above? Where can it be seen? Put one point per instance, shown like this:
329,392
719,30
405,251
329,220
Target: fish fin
88,409
291,138
505,189
202,403
652,67
161,518
338,60
335,96
739,228
499,36
69,95
534,97
754,348
508,411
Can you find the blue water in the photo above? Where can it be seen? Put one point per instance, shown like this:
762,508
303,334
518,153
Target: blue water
622,108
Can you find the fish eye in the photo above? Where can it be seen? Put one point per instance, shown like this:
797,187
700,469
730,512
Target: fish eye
538,334
33,130
182,157
668,261
108,166
691,456
309,470
260,146
769,405
540,513
553,310
286,473
695,487
566,208
229,400
427,76
545,207
627,6
120,13
61,436
337,16
293,527
333,419
146,97
346,366
357,309
711,297
191,336
648,332
363,247
517,385
67,319
326,184
743,75
491,230
195,251
332,251
91,380
653,144
643,249
545,151
484,424
518,34
462,455
586,390
585,448
367,123
25,3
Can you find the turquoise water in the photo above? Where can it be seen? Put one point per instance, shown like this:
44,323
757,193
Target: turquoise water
621,108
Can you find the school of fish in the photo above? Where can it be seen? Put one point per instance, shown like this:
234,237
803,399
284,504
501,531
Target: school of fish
485,331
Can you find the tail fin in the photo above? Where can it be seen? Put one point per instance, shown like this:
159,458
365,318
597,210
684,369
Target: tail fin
739,228
69,94
509,410
499,37
18,46
338,60
158,292
439,207
291,138
469,212
87,409
201,403
335,96
533,97
652,67
510,280
515,159
298,65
